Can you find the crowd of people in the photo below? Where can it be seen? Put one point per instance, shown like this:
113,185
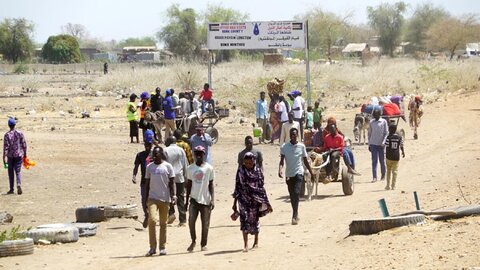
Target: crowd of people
169,108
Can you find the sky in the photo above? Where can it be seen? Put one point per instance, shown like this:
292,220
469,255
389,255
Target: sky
122,19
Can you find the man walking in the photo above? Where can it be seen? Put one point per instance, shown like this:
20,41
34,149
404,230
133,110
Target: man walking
200,191
284,134
298,110
200,138
377,134
293,152
176,156
161,193
14,151
169,112
142,159
249,148
132,117
261,113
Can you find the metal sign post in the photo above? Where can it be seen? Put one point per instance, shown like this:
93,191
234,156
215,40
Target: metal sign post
307,65
210,68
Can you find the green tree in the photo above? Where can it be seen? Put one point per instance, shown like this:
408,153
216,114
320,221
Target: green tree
423,18
217,13
143,41
451,33
16,42
62,49
326,29
180,35
387,20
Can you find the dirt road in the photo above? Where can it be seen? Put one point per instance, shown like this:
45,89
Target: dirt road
89,161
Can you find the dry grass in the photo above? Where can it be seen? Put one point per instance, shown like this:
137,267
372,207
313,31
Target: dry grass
339,85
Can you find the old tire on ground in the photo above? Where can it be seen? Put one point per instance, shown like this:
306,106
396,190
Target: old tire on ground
90,214
16,247
213,132
347,182
55,233
84,229
125,211
371,226
462,211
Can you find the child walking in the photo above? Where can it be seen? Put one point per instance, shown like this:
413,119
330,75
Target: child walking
393,143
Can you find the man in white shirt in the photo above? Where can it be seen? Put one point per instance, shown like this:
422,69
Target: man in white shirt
160,188
284,134
298,110
176,156
200,191
283,109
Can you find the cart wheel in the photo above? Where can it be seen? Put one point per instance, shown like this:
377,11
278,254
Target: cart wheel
347,182
213,132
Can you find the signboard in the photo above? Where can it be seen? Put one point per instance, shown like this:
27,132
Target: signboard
256,35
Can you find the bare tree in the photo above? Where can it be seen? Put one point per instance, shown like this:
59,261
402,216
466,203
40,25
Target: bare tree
450,33
77,30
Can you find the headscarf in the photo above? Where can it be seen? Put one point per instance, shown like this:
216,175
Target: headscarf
249,187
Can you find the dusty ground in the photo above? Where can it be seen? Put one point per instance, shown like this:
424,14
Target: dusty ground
89,161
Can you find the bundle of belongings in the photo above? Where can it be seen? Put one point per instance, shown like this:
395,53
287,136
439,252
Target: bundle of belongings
388,105
275,86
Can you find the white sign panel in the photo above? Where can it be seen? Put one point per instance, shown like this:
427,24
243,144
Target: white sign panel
256,35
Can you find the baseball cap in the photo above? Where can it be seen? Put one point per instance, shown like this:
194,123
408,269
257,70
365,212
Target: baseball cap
149,136
199,148
11,122
133,95
144,95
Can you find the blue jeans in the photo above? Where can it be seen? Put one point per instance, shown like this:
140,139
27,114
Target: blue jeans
378,154
348,157
294,186
210,102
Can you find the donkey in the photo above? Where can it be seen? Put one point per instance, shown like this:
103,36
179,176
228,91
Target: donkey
158,120
361,126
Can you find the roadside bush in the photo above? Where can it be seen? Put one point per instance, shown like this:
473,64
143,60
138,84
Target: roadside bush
20,68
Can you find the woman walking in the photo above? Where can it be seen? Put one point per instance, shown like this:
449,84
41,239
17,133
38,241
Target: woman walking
251,197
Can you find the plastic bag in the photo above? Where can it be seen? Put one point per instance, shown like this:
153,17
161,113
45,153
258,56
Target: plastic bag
27,163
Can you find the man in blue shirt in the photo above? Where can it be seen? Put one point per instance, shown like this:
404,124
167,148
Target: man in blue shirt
203,139
261,113
169,111
293,152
